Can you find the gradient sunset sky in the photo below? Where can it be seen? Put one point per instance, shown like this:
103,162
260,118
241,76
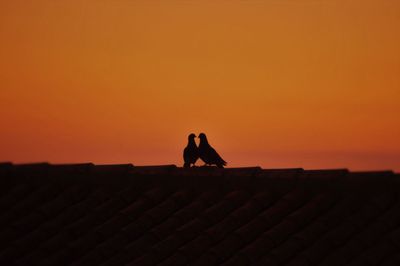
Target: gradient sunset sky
273,83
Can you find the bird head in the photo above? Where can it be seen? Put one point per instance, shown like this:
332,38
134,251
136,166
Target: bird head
202,136
191,136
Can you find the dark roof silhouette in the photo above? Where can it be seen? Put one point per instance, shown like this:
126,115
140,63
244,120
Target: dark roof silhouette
87,214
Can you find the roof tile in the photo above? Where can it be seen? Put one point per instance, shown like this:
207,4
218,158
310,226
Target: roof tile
86,214
176,259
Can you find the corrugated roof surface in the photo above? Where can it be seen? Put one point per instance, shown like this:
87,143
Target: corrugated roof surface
123,215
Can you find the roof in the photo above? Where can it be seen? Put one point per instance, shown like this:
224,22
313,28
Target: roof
86,214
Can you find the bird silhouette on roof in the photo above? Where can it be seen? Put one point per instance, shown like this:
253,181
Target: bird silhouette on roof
208,153
191,152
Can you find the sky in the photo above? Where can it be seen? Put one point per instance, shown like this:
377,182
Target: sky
273,83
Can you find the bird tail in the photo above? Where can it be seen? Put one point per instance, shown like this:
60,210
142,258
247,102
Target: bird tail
222,164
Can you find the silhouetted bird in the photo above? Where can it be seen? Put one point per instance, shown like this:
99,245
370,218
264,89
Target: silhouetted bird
191,152
208,154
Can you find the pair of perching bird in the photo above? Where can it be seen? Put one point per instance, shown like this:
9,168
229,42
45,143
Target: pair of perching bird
204,151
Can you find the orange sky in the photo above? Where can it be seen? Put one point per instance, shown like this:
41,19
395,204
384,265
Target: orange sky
274,83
